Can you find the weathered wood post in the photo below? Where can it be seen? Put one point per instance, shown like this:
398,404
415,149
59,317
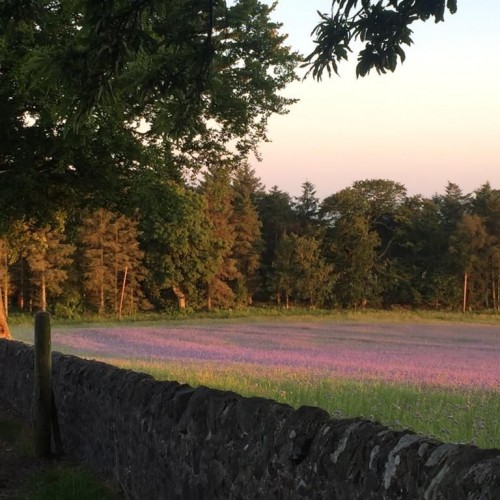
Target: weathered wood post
42,404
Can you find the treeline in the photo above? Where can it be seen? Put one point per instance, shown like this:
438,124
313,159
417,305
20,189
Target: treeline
228,242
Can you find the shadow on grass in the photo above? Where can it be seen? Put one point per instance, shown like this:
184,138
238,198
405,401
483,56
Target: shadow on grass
26,477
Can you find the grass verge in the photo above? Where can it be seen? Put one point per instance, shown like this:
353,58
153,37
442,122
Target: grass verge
66,482
269,313
28,478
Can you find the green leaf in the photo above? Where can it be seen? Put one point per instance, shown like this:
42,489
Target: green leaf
452,6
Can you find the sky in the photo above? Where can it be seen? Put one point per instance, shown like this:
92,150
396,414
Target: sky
436,119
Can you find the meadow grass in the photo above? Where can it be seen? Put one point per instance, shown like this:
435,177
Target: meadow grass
448,414
269,313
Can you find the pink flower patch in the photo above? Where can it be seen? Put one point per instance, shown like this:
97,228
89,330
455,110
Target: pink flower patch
444,354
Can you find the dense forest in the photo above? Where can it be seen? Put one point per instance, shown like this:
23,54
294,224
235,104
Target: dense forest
227,242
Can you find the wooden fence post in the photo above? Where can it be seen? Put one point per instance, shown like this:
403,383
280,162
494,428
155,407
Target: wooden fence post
42,404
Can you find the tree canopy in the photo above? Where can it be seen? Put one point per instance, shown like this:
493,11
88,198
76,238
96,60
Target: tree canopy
93,92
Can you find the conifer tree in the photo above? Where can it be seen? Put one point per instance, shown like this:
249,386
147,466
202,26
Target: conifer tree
278,218
247,233
281,281
306,209
18,239
112,261
128,269
48,257
220,263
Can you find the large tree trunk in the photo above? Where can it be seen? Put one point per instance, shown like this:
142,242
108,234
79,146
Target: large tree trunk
4,326
464,295
20,297
209,297
495,291
6,288
44,294
101,284
181,297
122,294
498,292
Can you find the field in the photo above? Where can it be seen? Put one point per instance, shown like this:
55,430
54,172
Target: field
438,378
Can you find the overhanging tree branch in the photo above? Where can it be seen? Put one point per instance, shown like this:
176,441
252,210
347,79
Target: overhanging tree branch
383,27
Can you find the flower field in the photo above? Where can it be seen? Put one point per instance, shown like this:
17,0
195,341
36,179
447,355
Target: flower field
439,354
441,379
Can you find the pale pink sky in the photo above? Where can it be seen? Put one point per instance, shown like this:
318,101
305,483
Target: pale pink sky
437,118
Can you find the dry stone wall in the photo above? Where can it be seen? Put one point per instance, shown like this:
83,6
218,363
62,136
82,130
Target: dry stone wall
163,440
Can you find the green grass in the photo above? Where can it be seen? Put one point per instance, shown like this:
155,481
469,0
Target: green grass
66,482
273,313
10,430
54,479
17,434
450,415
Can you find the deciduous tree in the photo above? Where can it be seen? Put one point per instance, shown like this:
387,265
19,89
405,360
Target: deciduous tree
175,235
486,204
281,282
362,220
468,243
381,27
203,74
313,276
